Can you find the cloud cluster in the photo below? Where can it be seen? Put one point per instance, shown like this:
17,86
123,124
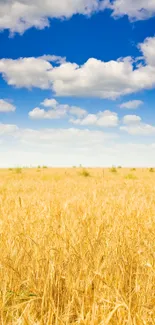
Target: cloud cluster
20,15
101,119
94,78
56,110
76,115
139,129
133,125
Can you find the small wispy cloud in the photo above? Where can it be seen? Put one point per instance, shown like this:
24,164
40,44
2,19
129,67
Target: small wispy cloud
132,104
6,106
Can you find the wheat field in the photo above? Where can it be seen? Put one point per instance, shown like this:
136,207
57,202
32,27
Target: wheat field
77,247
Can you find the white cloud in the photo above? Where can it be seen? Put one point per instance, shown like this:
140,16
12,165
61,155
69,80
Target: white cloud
53,58
71,137
132,104
103,119
20,15
135,126
38,113
134,9
134,155
56,110
56,138
131,119
55,147
94,78
90,119
6,107
68,147
148,50
77,111
7,129
50,102
26,72
139,129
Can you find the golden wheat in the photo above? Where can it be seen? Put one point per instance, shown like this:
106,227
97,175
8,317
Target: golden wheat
76,249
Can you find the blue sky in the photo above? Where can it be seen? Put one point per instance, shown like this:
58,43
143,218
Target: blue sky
77,83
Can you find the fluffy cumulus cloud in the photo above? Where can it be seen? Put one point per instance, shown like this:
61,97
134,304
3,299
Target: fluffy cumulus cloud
94,78
56,110
132,104
102,119
6,107
131,119
134,9
75,114
20,15
26,72
148,50
134,125
50,102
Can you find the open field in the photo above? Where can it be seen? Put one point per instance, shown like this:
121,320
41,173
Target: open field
77,249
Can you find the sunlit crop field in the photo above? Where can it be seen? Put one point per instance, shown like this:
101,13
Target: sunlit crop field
77,248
